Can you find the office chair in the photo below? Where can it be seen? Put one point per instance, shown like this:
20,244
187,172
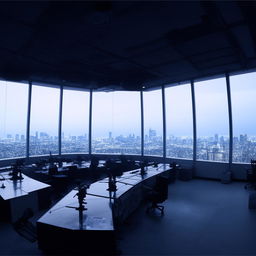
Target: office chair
251,176
72,170
53,170
158,195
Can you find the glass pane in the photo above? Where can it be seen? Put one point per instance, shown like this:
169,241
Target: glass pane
212,120
13,119
116,123
243,95
153,123
179,122
75,121
44,120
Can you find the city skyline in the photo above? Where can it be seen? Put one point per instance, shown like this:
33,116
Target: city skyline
125,135
212,148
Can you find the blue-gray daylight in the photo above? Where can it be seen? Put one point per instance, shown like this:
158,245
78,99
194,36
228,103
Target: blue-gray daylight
116,120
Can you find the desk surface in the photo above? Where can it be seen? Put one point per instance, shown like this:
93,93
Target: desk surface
17,188
99,204
97,217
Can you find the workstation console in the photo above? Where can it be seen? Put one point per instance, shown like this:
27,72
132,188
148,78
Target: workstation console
87,217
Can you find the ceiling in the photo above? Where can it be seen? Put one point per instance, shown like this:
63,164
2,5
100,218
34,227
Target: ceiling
125,45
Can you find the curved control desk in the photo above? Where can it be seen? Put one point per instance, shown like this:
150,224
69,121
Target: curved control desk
63,228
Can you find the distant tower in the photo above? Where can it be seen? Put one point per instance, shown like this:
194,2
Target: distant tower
216,137
243,139
110,135
17,137
151,133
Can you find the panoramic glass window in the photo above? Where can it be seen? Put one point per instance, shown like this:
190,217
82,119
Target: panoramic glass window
116,122
179,122
44,120
153,123
75,121
212,120
243,96
13,119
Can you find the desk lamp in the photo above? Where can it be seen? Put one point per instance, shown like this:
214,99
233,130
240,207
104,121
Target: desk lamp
16,171
143,168
112,183
81,195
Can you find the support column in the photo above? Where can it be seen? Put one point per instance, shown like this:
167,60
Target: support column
194,122
60,119
90,124
230,122
28,119
142,122
164,123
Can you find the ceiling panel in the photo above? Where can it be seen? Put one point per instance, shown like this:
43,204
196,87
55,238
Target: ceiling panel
124,44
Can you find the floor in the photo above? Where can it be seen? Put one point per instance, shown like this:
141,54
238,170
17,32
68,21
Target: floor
202,217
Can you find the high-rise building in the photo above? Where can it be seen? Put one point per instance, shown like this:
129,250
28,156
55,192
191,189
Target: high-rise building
151,133
17,137
216,137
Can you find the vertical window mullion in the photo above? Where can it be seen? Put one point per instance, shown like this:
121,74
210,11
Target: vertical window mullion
90,123
194,121
230,121
60,119
28,119
142,123
164,122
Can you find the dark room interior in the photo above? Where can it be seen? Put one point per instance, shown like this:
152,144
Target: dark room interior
127,128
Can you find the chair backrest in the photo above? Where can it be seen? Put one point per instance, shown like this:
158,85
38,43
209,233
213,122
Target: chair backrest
53,170
161,187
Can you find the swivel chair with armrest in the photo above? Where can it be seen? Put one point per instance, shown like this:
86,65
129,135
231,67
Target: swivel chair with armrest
158,195
251,176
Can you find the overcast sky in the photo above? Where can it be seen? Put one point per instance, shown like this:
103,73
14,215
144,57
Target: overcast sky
119,112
